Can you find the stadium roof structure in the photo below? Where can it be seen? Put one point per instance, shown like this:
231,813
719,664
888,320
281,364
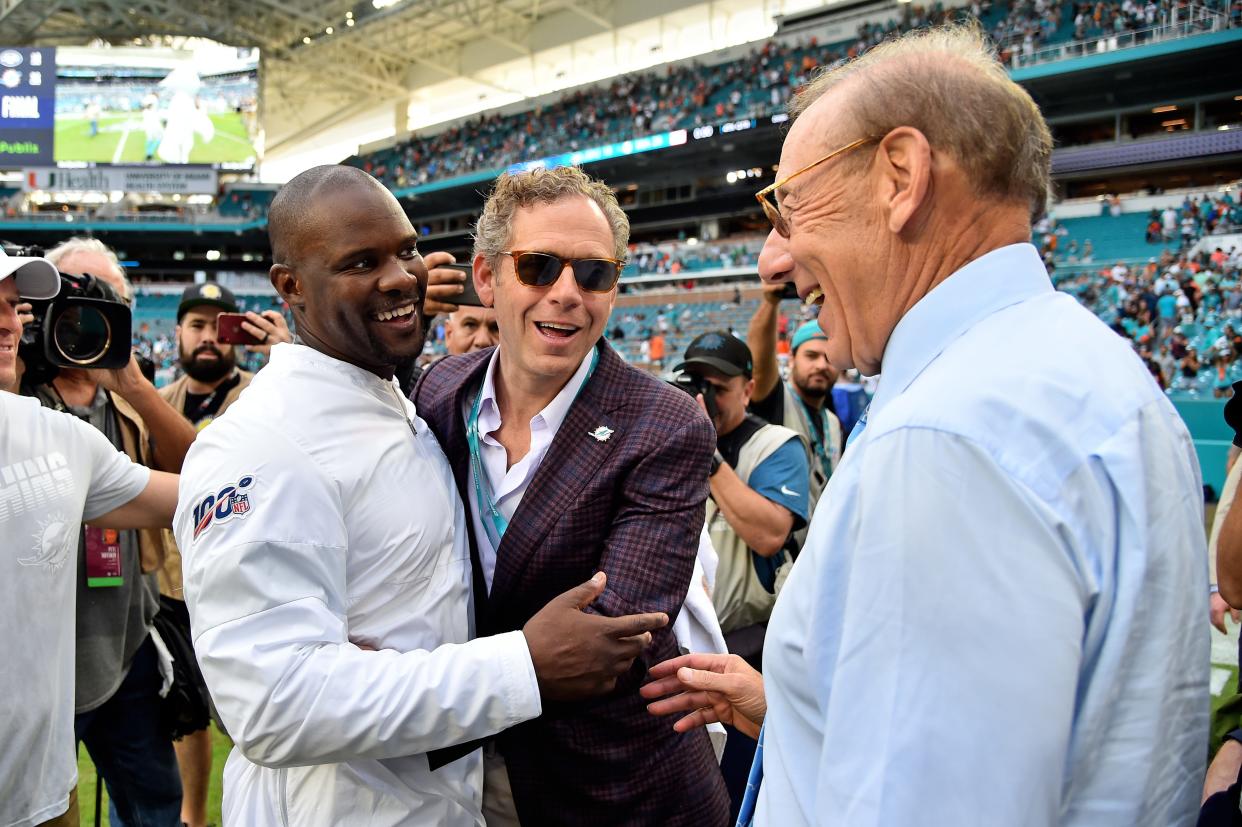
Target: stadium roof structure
333,65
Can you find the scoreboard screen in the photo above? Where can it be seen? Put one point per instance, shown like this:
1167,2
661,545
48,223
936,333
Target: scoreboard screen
27,106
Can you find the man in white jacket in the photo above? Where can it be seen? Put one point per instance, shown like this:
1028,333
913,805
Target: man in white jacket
327,565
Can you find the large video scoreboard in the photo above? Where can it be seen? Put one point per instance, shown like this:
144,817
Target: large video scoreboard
27,107
152,106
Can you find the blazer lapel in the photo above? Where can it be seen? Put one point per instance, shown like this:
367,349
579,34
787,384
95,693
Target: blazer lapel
571,461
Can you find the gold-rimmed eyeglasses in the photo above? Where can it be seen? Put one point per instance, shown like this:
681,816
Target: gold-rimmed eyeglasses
772,210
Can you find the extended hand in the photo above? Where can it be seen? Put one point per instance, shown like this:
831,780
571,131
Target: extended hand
579,655
443,284
711,688
269,327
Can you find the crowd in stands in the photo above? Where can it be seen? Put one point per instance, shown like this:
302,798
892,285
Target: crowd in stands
683,256
1194,218
1182,313
694,94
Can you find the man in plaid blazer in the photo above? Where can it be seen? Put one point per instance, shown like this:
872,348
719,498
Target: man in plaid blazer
572,462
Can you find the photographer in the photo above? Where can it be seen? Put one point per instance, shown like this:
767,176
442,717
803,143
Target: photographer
803,404
118,678
759,490
58,472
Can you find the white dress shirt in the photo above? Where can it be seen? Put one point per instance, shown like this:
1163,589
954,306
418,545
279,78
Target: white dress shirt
508,485
312,521
998,616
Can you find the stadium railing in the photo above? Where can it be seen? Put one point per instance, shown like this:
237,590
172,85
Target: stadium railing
1179,23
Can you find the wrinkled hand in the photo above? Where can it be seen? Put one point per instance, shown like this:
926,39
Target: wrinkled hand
711,688
270,327
580,655
124,381
443,284
1218,608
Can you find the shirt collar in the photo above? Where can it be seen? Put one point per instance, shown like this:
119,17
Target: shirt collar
993,281
297,353
550,417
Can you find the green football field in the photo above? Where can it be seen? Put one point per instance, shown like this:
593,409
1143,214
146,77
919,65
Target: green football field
121,140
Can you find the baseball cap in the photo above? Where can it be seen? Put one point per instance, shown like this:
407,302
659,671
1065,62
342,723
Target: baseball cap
805,333
36,278
720,350
210,293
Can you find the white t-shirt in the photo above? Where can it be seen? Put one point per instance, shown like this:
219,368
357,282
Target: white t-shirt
55,472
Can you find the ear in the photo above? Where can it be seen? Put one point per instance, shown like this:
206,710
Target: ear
484,280
286,284
904,160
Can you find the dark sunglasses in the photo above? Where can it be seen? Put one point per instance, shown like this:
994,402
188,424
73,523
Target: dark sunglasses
594,275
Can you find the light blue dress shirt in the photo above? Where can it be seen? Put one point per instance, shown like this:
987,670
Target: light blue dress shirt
999,616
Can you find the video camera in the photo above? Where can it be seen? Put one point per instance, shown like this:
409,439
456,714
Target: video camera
87,326
695,385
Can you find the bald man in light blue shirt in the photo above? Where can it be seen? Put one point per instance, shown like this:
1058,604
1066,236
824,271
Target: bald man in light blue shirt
997,617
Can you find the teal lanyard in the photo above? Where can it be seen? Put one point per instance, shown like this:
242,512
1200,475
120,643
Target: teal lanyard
817,441
494,521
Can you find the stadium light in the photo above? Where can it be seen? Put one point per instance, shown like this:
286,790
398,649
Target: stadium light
349,22
306,40
731,177
213,255
328,30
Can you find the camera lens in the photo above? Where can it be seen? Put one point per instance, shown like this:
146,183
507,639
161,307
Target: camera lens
82,335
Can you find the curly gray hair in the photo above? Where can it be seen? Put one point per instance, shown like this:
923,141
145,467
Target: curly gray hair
543,186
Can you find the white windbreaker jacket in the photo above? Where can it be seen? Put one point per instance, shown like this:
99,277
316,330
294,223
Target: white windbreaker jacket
313,522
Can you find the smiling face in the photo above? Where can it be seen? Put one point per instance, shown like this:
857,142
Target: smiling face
546,332
356,282
836,243
10,331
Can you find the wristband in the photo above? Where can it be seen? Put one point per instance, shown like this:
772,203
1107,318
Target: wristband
717,461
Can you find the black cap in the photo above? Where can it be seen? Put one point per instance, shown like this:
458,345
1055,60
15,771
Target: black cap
216,295
720,350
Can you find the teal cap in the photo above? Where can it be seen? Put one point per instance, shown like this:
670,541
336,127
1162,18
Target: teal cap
808,331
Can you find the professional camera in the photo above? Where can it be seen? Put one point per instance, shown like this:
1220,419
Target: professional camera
86,326
695,385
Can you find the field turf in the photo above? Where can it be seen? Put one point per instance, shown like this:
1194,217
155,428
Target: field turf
121,140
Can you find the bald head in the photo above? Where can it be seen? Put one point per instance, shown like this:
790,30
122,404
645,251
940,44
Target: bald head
293,216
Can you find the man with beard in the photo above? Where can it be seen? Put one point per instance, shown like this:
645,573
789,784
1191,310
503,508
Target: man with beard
327,560
212,381
804,403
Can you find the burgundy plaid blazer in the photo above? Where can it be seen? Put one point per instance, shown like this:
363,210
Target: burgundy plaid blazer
632,506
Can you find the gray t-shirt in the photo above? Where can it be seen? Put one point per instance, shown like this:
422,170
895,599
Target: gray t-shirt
113,621
54,472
